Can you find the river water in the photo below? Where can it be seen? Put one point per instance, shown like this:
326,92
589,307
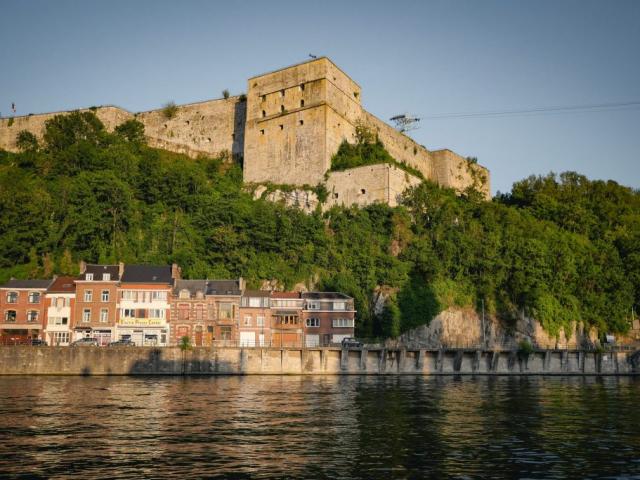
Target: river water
319,427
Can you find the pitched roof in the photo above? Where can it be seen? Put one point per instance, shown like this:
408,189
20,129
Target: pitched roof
192,286
36,284
62,285
146,274
325,296
99,270
223,287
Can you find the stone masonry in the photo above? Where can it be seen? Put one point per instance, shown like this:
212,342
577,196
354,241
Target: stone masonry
287,128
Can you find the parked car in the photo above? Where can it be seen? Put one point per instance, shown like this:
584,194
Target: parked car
123,342
37,342
85,342
350,342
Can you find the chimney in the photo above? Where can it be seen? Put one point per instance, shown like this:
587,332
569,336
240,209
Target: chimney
242,284
83,266
120,270
176,271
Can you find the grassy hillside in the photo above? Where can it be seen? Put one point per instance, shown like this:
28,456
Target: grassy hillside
560,248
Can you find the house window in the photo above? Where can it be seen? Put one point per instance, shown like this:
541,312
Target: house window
88,295
10,316
34,297
343,323
106,277
89,276
225,333
128,313
254,301
247,320
57,320
313,306
158,296
339,306
105,295
156,313
301,103
86,315
313,322
225,310
12,297
104,315
60,337
260,321
32,316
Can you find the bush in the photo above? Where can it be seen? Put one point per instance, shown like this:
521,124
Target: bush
225,93
170,110
27,141
525,349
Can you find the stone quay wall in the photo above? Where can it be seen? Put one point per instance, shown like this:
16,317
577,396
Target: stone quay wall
27,360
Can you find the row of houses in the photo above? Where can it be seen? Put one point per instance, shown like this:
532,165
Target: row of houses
151,305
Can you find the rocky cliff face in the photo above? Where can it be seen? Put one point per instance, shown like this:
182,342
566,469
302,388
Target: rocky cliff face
456,327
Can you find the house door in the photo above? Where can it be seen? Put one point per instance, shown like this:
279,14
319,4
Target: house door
198,336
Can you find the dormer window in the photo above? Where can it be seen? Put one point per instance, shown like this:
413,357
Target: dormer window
89,276
184,293
106,277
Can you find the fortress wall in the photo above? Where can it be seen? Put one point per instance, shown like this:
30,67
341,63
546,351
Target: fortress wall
287,152
399,146
452,170
381,183
206,128
109,115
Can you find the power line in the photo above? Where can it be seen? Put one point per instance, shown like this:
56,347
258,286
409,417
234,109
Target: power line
550,110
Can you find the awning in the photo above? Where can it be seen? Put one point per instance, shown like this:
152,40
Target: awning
82,328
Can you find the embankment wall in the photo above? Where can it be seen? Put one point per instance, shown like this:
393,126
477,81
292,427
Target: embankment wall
24,360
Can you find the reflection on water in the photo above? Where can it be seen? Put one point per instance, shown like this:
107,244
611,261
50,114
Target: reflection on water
347,427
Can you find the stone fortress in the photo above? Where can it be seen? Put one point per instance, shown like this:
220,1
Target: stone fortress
286,130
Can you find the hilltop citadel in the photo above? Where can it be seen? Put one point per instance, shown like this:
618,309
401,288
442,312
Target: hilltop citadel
286,130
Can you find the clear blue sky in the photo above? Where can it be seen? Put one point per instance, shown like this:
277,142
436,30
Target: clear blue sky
419,57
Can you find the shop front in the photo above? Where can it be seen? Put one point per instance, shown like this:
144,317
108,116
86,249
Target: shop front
144,332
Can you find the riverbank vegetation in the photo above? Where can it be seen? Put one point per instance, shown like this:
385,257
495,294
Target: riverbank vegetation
560,248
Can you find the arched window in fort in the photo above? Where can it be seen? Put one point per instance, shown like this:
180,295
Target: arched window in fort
301,122
264,98
281,127
363,191
264,114
302,103
261,132
282,108
282,93
302,87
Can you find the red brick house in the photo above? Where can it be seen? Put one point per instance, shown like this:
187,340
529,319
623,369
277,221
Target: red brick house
96,302
60,303
22,310
328,318
189,314
223,305
287,329
255,318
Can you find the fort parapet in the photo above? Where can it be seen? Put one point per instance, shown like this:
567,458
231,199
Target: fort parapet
287,128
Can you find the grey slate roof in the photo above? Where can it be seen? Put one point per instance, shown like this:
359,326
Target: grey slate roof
325,296
223,287
146,274
36,284
98,270
192,285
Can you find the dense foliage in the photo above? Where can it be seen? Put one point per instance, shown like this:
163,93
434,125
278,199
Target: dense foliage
562,249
